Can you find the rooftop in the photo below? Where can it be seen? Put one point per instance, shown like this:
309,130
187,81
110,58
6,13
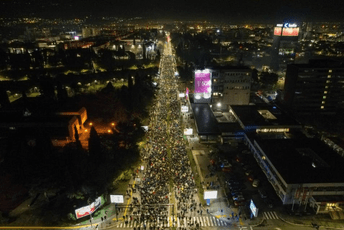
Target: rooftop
205,119
262,115
305,160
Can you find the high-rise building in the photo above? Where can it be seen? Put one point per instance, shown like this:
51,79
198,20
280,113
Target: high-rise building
284,45
316,87
231,85
90,32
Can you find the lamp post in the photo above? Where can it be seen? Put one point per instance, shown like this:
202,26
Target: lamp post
89,203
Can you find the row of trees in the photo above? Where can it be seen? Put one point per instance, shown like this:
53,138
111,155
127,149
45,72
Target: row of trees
72,175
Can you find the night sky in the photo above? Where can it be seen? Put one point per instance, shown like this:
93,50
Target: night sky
212,10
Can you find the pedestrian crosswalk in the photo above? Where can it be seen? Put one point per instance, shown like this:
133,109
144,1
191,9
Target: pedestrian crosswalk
270,215
202,221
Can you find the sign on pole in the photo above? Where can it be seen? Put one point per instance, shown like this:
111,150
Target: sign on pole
210,194
118,199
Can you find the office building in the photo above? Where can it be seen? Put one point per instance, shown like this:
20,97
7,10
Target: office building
231,85
316,87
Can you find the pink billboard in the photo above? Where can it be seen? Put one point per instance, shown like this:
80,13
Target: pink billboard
202,82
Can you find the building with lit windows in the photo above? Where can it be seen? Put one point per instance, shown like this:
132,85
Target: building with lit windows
316,87
284,46
231,85
304,172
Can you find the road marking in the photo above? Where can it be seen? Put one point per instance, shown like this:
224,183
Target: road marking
270,215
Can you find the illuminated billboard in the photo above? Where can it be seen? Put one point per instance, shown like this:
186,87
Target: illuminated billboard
210,194
278,31
184,109
253,208
89,209
290,31
202,82
188,132
117,199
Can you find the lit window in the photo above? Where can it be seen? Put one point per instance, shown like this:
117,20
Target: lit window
328,81
325,92
328,76
326,87
323,102
322,107
324,97
330,70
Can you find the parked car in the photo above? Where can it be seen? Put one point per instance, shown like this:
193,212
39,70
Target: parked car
269,203
238,198
250,177
256,183
248,172
239,203
246,168
226,169
233,182
262,193
236,193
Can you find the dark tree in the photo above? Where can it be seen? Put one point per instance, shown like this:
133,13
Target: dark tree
4,100
93,143
61,92
268,78
255,75
130,82
47,87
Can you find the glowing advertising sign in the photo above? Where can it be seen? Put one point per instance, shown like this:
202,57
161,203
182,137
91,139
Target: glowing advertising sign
290,32
89,209
184,109
118,199
202,82
288,25
188,132
278,31
253,208
210,194
145,128
187,92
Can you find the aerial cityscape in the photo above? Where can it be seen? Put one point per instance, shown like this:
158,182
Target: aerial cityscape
171,115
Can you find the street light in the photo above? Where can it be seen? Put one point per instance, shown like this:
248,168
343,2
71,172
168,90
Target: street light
219,104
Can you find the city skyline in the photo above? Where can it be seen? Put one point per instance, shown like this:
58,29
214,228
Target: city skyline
218,10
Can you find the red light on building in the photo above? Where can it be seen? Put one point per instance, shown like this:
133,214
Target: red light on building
278,31
290,31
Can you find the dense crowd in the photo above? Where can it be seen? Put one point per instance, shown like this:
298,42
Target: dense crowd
167,170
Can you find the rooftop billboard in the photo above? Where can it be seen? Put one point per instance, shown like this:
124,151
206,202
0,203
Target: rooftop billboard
278,31
202,82
290,31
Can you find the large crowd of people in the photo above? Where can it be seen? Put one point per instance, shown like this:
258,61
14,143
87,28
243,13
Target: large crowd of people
167,186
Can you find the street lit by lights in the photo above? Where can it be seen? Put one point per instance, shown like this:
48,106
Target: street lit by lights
112,124
91,124
109,131
86,130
